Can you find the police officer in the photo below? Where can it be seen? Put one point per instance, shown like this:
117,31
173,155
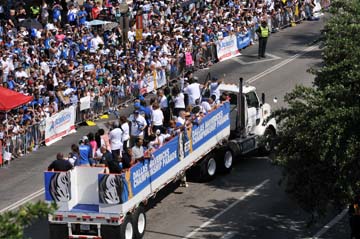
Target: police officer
263,33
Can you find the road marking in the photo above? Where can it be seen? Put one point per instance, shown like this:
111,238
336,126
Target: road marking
330,224
228,235
281,64
207,223
272,58
23,201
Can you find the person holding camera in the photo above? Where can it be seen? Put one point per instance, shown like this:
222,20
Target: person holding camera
137,126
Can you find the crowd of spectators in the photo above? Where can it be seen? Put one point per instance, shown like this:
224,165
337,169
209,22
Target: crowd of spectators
58,58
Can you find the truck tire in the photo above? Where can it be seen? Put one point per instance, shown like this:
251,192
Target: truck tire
208,168
139,222
110,232
127,228
225,158
58,231
268,145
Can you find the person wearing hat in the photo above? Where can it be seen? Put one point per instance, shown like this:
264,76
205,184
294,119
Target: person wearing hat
60,164
263,33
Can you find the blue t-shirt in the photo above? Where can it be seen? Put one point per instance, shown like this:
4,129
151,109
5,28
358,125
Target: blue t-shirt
85,154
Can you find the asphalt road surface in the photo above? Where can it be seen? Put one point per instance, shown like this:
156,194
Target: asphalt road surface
249,202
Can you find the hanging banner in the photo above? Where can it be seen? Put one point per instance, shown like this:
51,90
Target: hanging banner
227,48
85,103
243,40
139,22
60,125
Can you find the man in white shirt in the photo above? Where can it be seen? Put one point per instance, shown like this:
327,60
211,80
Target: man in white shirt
157,117
138,125
116,145
194,91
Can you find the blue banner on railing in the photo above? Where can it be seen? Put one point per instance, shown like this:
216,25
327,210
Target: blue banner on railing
243,40
162,160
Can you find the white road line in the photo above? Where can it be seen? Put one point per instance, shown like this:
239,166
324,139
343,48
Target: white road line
23,201
281,64
207,223
330,224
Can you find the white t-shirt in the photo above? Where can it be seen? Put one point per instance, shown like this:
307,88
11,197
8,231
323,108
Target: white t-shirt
137,124
193,90
214,90
125,131
180,120
157,117
179,101
115,136
206,106
163,102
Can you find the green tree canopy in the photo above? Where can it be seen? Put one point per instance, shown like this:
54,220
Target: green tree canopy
319,138
12,223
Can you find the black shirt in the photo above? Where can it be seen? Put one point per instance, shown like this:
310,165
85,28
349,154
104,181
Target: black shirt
106,158
60,165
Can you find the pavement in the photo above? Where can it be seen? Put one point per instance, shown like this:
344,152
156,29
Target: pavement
249,202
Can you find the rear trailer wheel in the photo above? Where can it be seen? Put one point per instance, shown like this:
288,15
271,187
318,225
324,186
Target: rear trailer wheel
225,160
58,231
139,222
127,228
208,168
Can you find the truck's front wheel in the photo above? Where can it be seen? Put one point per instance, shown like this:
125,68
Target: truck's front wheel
139,222
127,228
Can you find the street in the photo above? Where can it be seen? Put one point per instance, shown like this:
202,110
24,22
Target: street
247,203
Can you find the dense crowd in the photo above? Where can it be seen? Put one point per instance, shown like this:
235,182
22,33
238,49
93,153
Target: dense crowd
58,57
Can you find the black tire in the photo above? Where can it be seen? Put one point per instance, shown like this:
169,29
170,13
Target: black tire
268,144
225,159
110,232
58,231
127,228
208,168
139,222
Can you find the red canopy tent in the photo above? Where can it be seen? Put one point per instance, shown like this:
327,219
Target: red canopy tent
10,99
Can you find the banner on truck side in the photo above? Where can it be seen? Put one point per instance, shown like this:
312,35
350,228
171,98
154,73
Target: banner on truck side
85,103
227,48
165,162
60,125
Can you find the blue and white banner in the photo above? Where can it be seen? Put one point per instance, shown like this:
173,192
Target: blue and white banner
179,148
227,48
243,40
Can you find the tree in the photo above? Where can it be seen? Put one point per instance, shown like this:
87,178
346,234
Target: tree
319,138
12,223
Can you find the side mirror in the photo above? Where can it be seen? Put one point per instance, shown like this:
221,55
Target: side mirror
263,98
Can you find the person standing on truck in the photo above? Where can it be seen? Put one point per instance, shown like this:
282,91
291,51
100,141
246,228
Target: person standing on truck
263,32
137,127
60,164
214,87
193,90
124,126
85,152
138,150
115,137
